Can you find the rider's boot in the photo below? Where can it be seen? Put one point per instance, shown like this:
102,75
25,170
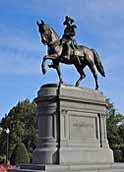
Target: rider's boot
78,59
68,53
66,56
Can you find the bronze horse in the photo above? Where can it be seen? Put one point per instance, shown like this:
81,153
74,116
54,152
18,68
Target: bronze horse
83,56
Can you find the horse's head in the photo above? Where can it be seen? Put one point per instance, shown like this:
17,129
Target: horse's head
48,35
44,32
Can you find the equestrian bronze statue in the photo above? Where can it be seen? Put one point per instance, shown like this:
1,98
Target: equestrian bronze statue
65,50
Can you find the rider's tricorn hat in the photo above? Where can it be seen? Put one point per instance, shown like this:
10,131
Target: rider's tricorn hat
67,19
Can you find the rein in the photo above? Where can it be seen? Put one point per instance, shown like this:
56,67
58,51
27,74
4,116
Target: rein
54,44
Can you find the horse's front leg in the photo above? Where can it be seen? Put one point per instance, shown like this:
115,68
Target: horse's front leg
43,64
53,64
59,73
48,57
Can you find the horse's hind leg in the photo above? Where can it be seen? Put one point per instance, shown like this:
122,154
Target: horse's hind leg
59,73
82,75
95,75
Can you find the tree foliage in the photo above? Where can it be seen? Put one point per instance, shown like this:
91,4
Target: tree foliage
19,155
114,121
21,120
115,131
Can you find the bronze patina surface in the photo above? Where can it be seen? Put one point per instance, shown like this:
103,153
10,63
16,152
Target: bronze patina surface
66,50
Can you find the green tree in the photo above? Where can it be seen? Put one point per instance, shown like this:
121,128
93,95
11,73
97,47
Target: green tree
115,130
19,155
21,120
114,119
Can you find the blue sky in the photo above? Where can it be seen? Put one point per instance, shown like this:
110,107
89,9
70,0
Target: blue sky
100,26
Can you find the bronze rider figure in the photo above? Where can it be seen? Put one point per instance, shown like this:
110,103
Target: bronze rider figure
68,41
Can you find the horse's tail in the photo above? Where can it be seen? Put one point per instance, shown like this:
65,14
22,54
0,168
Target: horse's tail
98,63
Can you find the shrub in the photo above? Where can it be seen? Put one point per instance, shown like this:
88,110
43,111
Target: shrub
20,155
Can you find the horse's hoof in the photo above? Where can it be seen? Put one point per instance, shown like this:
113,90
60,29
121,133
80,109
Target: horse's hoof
61,82
43,71
77,84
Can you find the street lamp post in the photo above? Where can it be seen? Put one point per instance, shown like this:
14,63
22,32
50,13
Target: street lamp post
7,144
1,129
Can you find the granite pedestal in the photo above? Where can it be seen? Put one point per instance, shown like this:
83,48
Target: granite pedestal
71,132
72,126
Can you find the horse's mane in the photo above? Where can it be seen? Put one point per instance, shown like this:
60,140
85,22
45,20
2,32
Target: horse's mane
52,30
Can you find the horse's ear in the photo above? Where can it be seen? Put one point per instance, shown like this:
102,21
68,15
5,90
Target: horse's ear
42,22
38,23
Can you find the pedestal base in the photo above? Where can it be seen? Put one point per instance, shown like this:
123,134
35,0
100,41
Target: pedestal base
113,167
71,132
71,126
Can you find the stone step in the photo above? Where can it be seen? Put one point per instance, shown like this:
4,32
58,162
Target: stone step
114,167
